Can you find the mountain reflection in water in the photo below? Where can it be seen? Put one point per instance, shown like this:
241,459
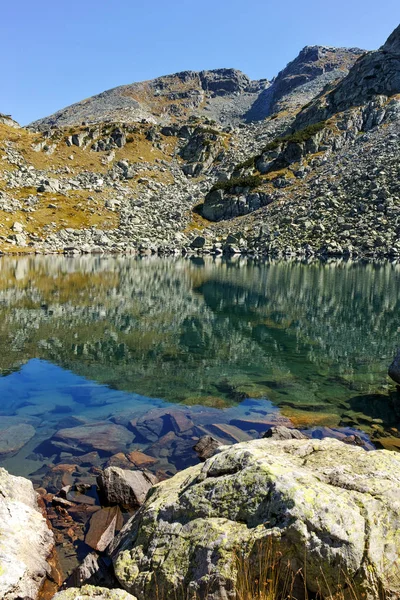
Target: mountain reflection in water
168,350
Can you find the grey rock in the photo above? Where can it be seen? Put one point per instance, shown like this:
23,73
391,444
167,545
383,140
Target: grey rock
127,489
26,540
322,502
283,433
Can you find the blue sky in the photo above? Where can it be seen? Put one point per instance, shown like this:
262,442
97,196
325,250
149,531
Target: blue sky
58,52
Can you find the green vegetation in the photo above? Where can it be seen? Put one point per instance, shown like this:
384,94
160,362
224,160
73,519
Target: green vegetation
297,138
302,135
246,164
250,181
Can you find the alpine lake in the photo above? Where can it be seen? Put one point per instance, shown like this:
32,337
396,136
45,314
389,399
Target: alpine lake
128,362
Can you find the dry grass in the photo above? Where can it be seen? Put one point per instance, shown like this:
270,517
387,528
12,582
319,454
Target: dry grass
267,574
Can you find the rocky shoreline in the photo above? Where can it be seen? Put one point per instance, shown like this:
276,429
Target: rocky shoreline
321,504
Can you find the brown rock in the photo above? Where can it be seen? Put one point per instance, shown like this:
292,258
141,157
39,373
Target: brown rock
103,525
119,460
206,447
230,432
139,459
104,436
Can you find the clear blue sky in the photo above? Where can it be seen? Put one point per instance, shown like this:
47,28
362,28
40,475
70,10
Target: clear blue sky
57,52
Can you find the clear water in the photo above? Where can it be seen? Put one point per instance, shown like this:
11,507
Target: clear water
230,346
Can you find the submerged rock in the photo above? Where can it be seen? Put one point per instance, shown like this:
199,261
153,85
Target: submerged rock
322,502
88,592
206,447
125,488
26,541
105,436
14,434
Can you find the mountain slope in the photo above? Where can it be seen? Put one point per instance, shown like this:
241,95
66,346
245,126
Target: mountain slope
211,161
227,96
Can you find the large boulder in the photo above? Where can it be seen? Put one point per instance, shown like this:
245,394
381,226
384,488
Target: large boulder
25,540
333,510
90,592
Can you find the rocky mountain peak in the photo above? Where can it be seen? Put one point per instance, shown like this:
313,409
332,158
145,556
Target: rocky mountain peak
392,44
374,74
303,78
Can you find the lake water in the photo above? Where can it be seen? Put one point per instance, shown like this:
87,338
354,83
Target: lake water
107,355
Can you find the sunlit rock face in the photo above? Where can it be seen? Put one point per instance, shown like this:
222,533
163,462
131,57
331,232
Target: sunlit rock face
320,503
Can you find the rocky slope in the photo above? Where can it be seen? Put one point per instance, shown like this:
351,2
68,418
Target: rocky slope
213,162
322,512
227,96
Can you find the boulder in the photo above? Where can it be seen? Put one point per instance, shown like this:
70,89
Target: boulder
394,369
329,508
26,542
125,488
90,592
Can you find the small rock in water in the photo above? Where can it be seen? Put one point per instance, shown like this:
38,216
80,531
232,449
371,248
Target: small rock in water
283,433
128,489
394,369
103,525
206,447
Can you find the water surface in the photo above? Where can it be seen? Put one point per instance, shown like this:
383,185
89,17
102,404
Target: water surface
171,349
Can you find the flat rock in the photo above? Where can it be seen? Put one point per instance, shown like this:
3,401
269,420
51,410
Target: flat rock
140,459
14,437
26,541
283,433
105,436
125,488
103,525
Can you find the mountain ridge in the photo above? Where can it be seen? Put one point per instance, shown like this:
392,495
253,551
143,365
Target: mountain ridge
213,162
185,93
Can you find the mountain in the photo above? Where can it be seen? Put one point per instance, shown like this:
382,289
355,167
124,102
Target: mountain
224,95
210,161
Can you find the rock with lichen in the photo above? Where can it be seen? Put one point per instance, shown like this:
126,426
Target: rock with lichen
327,507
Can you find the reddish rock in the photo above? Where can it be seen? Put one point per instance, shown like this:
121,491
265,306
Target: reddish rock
139,459
103,525
104,436
119,460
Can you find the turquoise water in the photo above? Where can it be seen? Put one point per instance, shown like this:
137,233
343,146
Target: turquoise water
101,356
